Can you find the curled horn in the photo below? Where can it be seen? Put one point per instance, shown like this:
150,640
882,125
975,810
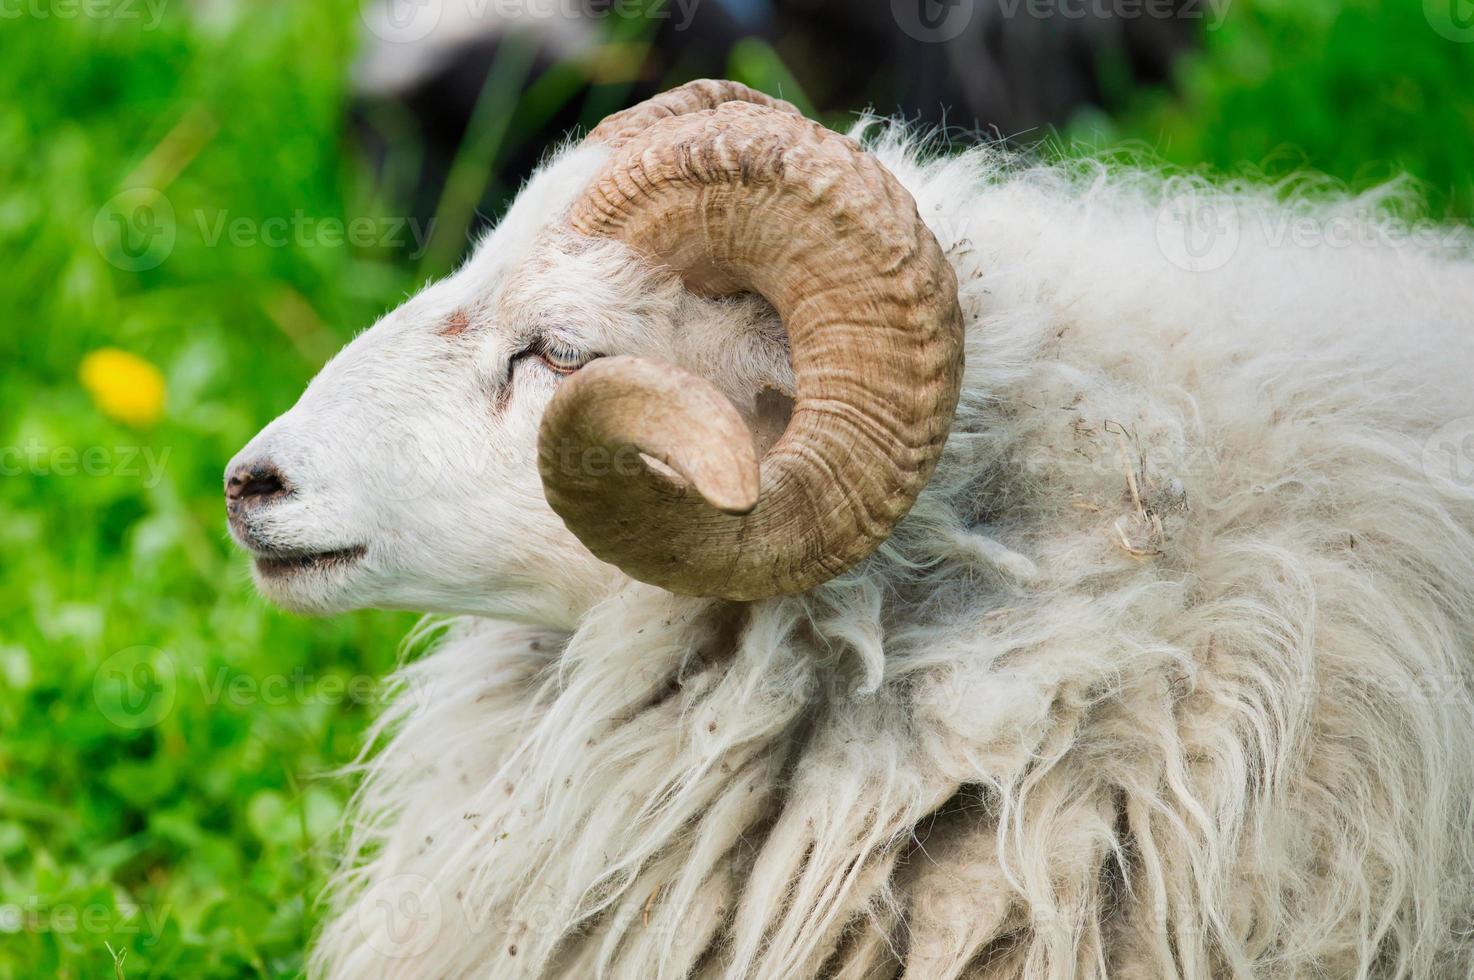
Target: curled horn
706,93
747,196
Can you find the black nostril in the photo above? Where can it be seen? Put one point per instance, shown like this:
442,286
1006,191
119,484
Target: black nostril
254,484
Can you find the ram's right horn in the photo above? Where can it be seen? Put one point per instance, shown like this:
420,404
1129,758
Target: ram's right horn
748,196
704,93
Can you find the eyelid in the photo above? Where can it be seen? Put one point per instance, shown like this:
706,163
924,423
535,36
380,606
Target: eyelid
557,355
568,351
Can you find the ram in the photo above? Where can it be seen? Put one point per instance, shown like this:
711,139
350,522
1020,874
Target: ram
857,562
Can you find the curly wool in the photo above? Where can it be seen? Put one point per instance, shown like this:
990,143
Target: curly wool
1166,675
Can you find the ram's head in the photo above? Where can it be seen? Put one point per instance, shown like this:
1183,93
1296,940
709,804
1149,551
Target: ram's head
588,396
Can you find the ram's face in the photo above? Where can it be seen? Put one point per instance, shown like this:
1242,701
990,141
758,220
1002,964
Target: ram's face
479,450
406,475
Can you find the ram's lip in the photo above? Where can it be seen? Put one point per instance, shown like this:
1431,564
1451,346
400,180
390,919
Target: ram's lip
278,564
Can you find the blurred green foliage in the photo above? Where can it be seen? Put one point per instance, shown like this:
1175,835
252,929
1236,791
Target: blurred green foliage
168,802
164,736
1364,90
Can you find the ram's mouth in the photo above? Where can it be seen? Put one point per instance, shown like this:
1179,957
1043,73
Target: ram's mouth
280,564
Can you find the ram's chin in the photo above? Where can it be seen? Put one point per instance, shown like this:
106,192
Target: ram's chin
310,583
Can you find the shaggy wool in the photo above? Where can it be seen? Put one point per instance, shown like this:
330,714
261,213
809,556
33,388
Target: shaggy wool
1166,675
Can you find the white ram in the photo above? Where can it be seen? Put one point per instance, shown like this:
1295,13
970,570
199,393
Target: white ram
1164,674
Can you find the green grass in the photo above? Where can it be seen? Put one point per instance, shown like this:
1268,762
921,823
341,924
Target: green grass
163,734
1364,90
184,829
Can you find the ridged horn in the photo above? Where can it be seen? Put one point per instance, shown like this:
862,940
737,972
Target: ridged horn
704,93
744,197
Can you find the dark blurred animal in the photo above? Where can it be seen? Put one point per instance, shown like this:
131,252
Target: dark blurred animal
998,68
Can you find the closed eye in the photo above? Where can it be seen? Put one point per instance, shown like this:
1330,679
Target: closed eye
557,357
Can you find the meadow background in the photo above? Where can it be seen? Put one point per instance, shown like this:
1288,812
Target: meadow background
164,735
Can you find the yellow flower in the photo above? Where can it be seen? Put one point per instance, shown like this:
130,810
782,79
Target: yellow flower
123,386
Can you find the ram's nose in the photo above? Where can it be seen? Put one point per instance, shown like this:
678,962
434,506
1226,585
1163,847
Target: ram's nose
251,484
